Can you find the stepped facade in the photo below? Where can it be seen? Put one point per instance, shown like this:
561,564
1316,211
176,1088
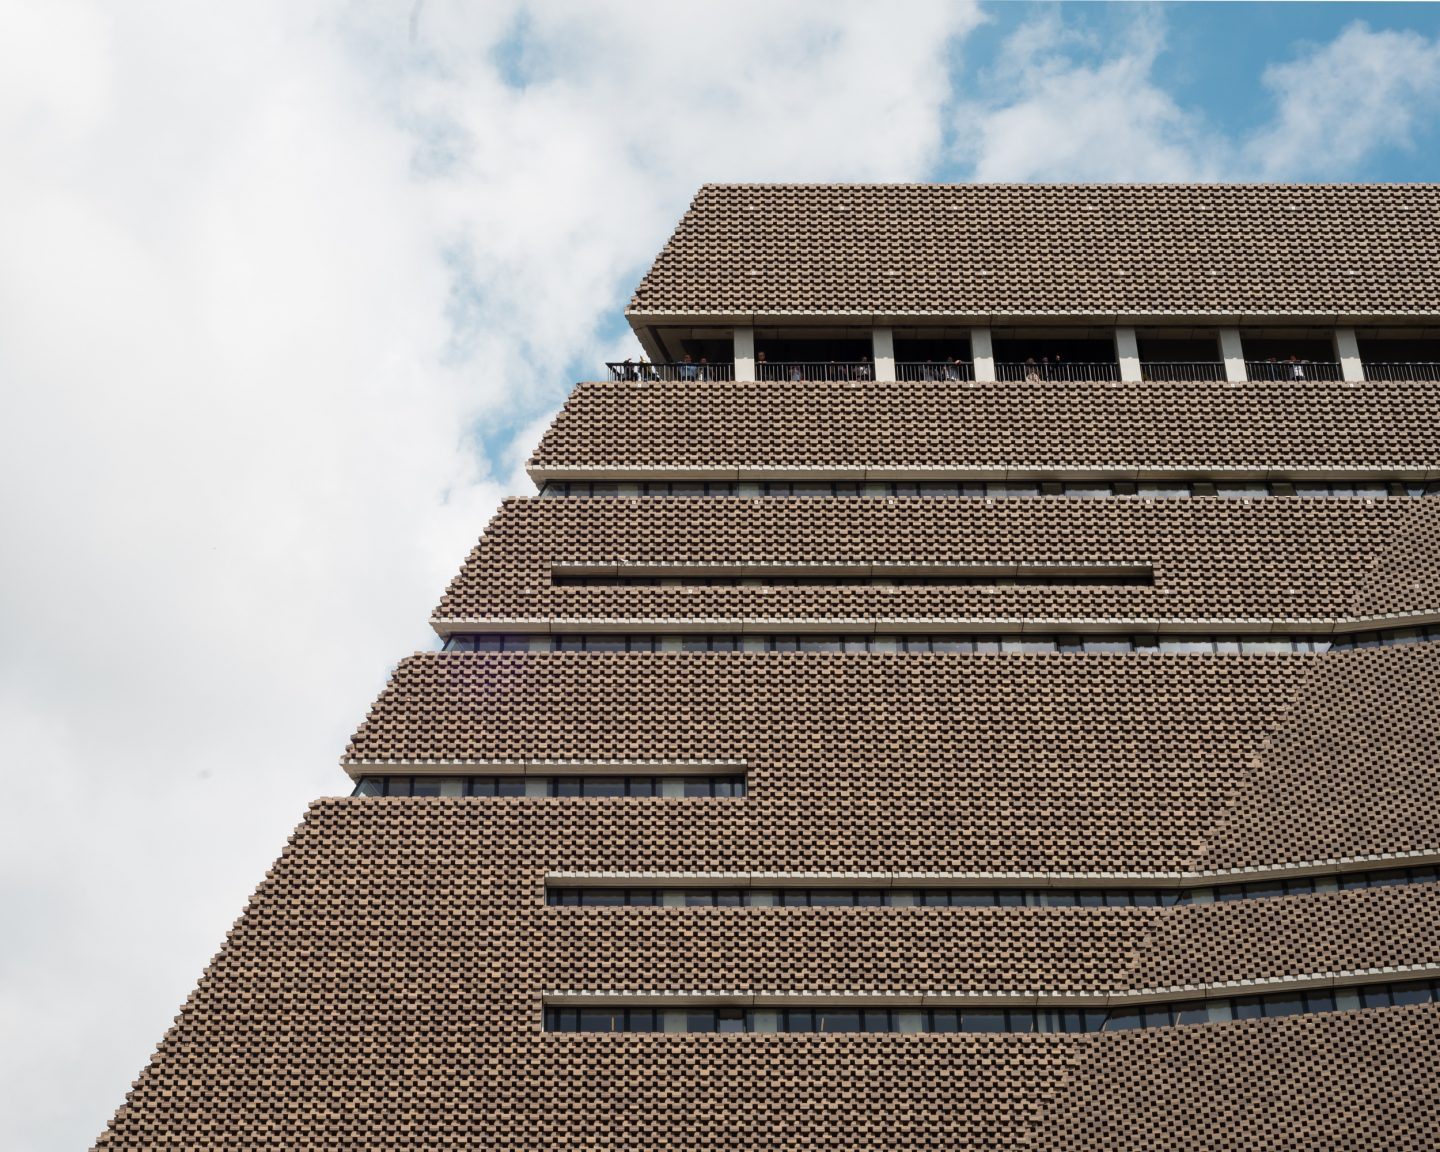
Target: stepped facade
973,684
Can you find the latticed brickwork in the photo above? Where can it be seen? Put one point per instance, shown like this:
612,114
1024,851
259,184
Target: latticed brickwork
388,984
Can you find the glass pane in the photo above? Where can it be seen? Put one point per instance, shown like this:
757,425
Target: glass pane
426,786
983,1020
1410,994
370,786
1284,1005
876,1020
702,1020
730,1020
944,1020
510,786
605,786
599,1020
837,1020
1122,1018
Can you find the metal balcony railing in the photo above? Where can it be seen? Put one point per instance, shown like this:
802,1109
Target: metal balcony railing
934,370
679,373
1293,370
1403,370
809,370
1025,370
1182,369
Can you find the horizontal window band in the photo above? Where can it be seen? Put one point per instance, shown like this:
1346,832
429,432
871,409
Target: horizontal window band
893,571
570,786
891,895
1112,579
1359,978
1337,866
819,1018
932,626
954,644
1104,488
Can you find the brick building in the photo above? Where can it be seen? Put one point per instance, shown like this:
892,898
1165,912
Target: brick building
972,686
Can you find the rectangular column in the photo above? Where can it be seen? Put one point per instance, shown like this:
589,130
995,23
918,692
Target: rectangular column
982,353
883,353
744,353
1127,352
1347,351
1232,351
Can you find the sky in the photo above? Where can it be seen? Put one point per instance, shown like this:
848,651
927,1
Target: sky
288,292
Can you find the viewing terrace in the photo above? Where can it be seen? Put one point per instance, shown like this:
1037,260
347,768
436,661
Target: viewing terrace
1036,354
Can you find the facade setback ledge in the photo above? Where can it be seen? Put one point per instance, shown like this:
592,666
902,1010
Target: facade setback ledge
1177,879
1083,998
975,625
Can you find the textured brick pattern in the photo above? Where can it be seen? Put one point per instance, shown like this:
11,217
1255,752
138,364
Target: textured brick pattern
401,1007
867,762
1407,571
978,249
957,429
1212,559
385,986
1354,769
1292,936
1327,1083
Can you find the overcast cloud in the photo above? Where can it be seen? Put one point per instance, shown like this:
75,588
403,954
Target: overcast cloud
287,293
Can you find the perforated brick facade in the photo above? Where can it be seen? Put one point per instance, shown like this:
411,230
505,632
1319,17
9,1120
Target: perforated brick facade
1194,932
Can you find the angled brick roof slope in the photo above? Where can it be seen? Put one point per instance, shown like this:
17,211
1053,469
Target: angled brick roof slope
1407,571
1237,940
865,762
1355,768
976,249
1218,560
1345,1080
944,428
383,989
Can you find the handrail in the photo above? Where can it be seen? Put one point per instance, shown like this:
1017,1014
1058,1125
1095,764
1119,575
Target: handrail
934,370
808,370
1293,370
1402,370
1068,370
670,372
1182,369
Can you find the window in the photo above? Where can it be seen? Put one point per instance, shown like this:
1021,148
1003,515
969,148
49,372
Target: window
907,1019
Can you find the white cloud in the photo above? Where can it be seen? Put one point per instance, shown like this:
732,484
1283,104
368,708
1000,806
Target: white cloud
1340,103
1059,105
1056,105
272,272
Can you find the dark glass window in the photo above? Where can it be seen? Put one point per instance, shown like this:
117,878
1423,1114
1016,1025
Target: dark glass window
983,1020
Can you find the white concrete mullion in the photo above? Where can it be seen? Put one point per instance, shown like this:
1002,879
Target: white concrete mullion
982,353
1347,351
745,354
1127,353
883,353
1232,351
